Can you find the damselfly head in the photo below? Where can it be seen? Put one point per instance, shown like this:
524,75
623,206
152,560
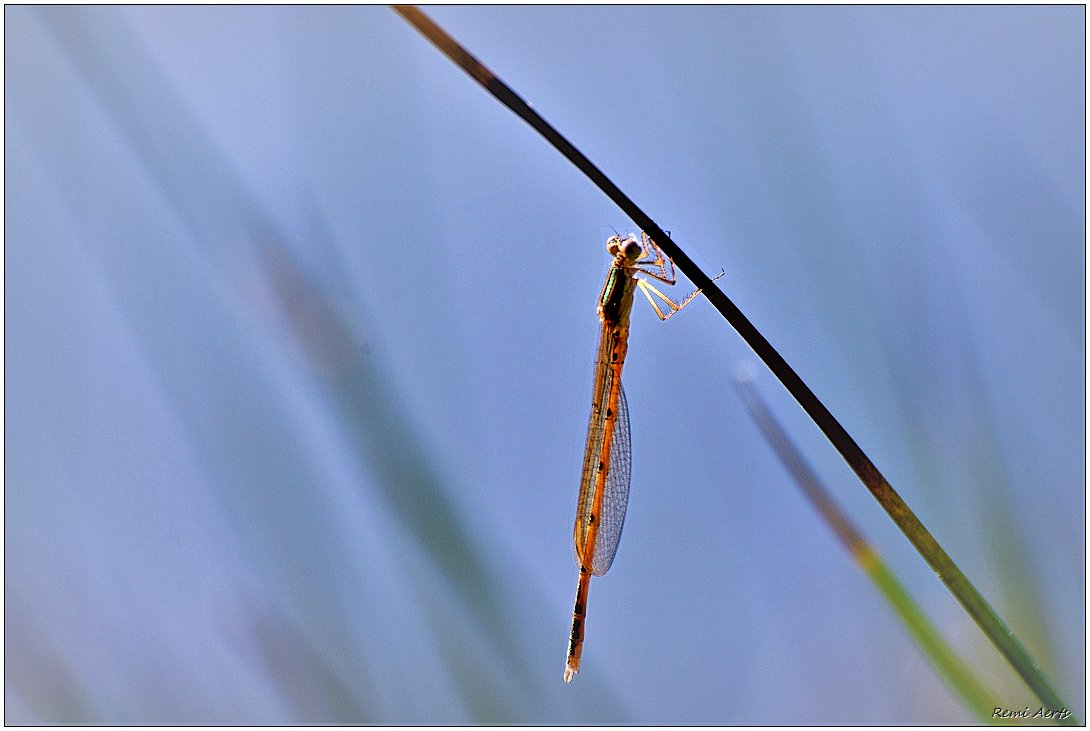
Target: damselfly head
627,245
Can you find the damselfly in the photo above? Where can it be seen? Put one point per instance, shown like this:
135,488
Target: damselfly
607,464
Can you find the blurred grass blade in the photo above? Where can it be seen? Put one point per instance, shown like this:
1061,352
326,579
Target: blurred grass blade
226,223
979,609
958,675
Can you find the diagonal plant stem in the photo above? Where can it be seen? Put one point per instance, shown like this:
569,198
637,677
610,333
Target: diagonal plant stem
942,657
985,617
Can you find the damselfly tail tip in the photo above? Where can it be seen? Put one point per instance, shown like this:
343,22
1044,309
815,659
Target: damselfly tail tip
569,673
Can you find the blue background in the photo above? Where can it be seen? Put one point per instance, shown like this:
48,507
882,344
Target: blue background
299,335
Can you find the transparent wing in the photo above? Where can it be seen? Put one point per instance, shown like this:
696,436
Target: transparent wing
615,497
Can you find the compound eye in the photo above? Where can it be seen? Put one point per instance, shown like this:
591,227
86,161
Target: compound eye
613,245
632,249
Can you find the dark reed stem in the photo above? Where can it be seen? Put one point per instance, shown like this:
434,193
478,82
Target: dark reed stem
942,657
985,617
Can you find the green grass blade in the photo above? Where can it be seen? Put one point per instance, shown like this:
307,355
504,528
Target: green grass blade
957,674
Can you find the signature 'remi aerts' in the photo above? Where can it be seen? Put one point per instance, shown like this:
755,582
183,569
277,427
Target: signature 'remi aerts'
607,464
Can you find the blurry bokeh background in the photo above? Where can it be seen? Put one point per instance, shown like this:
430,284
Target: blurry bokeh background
299,335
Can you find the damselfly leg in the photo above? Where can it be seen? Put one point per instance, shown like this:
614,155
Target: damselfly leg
653,259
